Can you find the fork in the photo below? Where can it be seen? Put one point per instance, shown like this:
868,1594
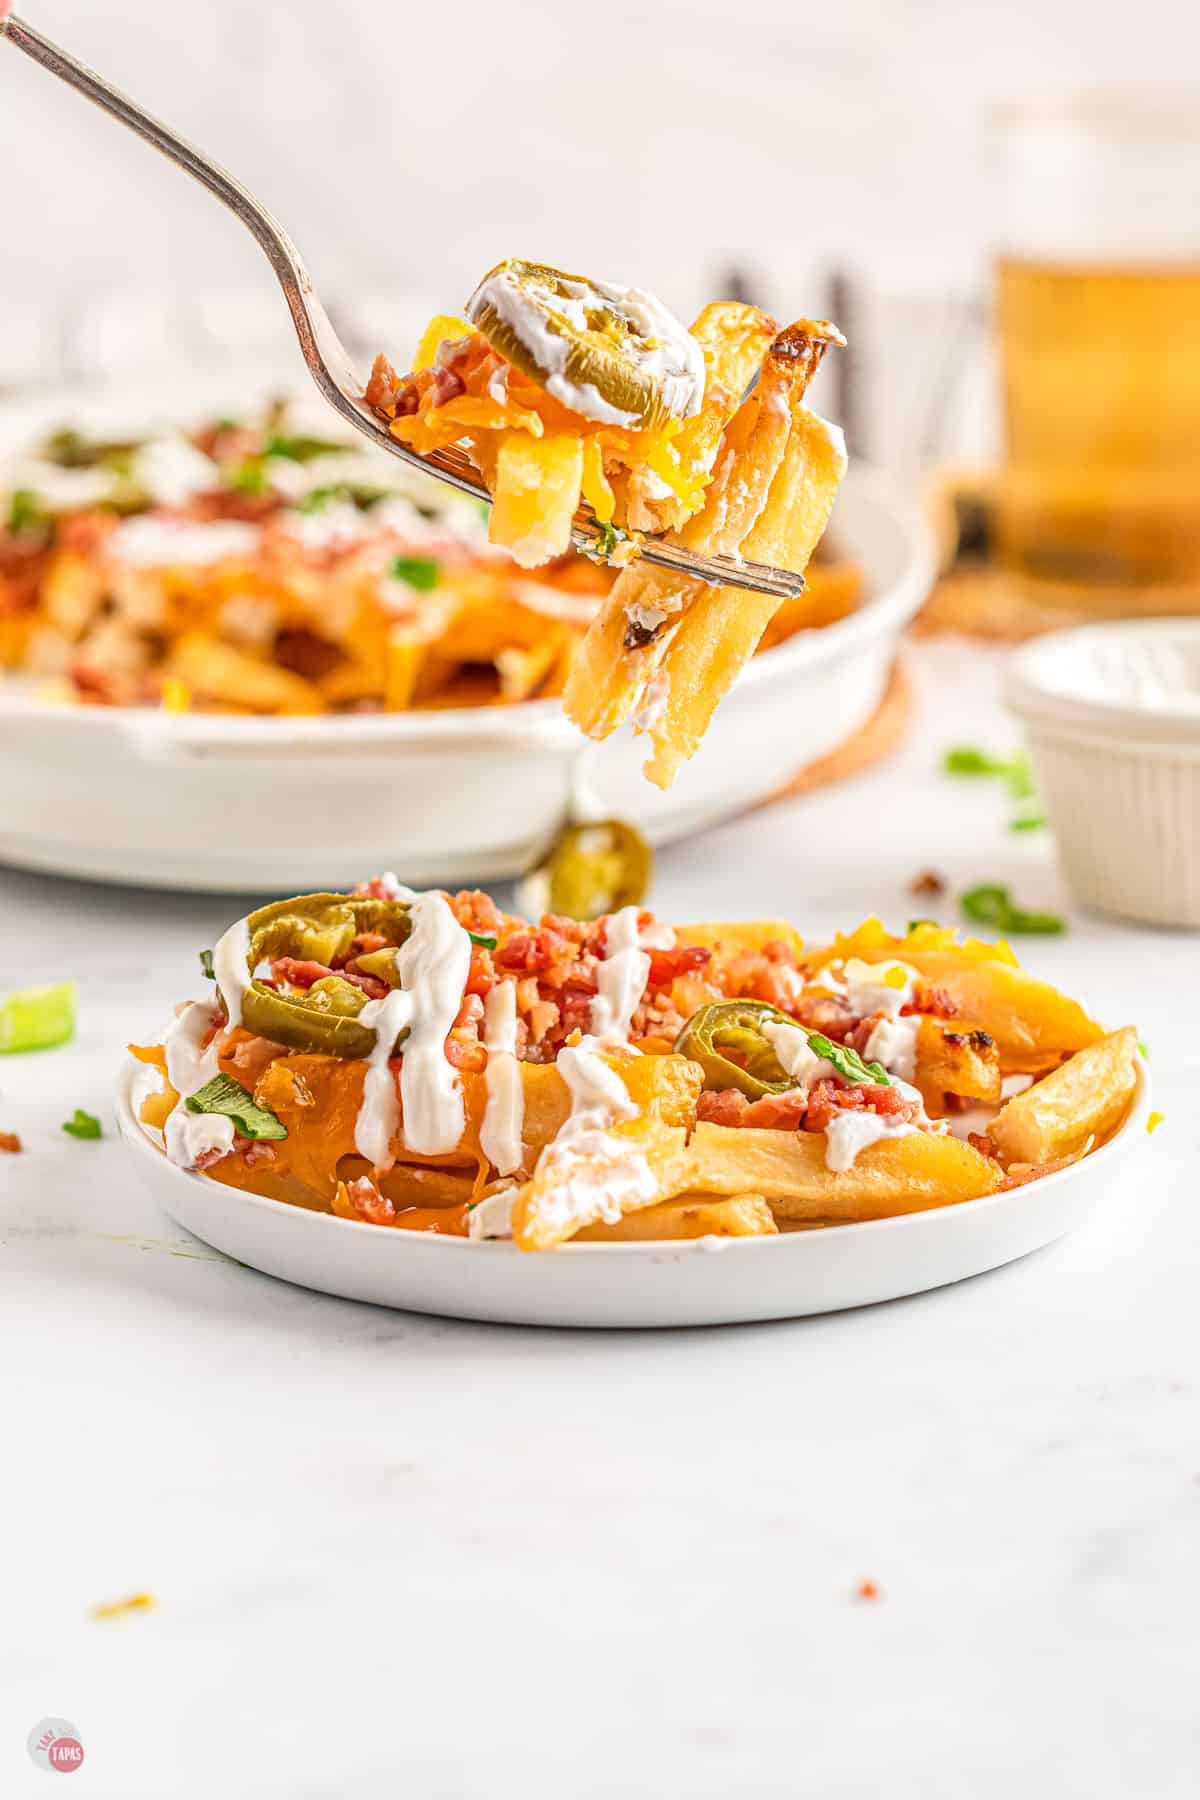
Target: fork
328,361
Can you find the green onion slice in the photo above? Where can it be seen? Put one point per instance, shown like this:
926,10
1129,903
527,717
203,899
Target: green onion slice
37,1018
228,1097
82,1125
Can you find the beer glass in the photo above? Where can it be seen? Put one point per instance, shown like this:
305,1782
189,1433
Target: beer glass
1098,316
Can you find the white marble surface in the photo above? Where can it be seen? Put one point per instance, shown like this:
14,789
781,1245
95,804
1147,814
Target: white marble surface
403,1555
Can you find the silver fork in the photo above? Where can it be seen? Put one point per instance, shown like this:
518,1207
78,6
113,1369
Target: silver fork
328,362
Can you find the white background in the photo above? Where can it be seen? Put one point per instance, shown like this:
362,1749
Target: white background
408,146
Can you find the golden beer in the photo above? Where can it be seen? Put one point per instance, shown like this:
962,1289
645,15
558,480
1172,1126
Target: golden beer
1100,499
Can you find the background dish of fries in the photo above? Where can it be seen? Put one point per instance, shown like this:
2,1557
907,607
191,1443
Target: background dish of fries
347,584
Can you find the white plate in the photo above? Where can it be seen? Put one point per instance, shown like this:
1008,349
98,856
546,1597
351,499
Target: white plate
707,1282
276,805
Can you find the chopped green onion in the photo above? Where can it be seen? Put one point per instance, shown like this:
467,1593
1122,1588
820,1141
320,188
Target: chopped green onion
300,449
82,1125
968,759
483,940
421,572
608,536
992,905
206,963
318,498
1145,1049
249,477
1028,822
37,1018
848,1063
229,1098
26,512
913,924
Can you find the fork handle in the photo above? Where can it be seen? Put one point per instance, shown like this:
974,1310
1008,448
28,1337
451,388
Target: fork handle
305,308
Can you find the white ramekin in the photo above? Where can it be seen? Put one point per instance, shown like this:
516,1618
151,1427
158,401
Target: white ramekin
1112,713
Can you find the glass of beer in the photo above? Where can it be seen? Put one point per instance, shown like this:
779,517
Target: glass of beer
1098,313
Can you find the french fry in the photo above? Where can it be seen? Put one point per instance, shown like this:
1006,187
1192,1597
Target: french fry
691,1216
536,495
955,1058
773,486
220,675
897,1175
1084,1098
643,1160
720,631
734,339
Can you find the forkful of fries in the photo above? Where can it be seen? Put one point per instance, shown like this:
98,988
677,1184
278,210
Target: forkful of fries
585,413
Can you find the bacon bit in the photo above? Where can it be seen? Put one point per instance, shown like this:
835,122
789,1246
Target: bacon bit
824,1013
381,388
10,1141
773,1112
933,1000
255,1155
1021,1174
527,951
477,911
928,885
481,978
827,1099
363,1201
667,965
301,973
207,1158
446,385
868,1590
979,1140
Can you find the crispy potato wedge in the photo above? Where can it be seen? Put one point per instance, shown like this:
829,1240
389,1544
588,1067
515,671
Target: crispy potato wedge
1085,1098
691,1216
897,1175
218,674
954,1057
1033,1024
746,511
720,630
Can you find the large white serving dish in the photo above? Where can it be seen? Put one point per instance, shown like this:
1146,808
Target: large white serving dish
705,1282
264,805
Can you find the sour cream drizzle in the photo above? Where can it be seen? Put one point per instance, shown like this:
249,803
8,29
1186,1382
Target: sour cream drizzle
230,960
432,965
504,1112
581,1190
189,1135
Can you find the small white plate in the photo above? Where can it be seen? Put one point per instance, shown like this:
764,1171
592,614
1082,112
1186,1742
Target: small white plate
707,1282
256,805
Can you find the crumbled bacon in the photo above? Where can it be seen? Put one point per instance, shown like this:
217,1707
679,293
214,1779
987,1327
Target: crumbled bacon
773,1112
446,385
667,965
381,388
828,1098
255,1155
928,999
302,973
825,1013
364,1200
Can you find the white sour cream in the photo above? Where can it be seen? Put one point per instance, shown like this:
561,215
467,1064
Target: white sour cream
853,1132
188,1135
599,1099
172,471
675,357
621,978
796,1057
230,960
869,991
492,1216
504,1112
148,542
893,1042
432,966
